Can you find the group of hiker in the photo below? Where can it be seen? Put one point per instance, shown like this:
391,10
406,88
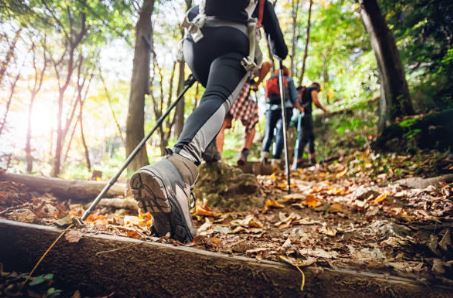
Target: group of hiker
221,49
298,101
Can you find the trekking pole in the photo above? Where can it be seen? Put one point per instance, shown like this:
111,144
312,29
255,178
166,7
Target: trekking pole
285,142
187,84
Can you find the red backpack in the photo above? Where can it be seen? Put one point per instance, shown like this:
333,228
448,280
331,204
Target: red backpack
272,87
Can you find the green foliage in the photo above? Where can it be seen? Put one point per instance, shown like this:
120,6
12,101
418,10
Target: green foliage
423,29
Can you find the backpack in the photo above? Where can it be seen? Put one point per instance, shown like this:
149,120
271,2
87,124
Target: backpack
273,88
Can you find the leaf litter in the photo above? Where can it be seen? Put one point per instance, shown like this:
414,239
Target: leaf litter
349,213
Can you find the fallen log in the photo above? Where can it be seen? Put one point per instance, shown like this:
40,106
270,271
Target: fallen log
83,191
101,265
419,182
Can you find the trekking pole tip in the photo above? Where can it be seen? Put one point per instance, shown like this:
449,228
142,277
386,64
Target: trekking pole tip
78,222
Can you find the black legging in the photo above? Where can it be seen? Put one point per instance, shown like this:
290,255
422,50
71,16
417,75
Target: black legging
215,62
305,135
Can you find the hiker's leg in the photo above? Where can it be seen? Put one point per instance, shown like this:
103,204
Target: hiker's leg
225,80
272,116
220,139
279,143
249,136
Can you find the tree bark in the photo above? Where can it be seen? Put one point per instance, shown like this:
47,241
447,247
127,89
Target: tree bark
83,191
135,123
393,81
307,41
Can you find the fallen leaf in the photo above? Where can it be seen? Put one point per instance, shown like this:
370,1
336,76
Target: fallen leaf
298,262
319,253
271,203
73,236
337,208
311,201
380,198
133,234
248,222
285,222
205,211
329,231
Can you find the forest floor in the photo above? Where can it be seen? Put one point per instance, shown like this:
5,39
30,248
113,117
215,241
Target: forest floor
353,212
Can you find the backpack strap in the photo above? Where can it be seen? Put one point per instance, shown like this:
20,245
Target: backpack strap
259,23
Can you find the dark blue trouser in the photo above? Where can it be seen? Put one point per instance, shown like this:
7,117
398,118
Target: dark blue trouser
305,135
274,125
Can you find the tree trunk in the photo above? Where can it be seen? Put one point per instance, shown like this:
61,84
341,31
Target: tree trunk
179,114
295,4
8,103
180,108
395,88
139,85
28,155
9,55
307,41
83,191
109,101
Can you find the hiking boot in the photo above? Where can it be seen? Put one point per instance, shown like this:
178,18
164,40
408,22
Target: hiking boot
243,157
296,164
312,159
165,190
264,157
275,163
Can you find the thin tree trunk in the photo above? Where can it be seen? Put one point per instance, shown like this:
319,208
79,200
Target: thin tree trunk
8,103
82,136
180,108
72,41
395,88
9,55
109,101
295,4
307,41
139,85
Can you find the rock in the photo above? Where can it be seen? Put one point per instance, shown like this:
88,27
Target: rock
226,187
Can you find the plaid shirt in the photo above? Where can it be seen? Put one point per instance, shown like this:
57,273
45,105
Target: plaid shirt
245,109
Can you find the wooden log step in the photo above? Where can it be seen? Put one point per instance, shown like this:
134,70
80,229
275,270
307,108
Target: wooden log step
101,265
83,191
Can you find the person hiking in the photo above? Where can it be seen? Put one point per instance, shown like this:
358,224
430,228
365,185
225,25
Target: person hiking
305,134
274,122
217,49
244,109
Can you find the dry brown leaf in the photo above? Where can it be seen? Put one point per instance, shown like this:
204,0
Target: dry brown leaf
133,234
311,201
271,203
205,211
381,198
292,198
329,231
286,221
248,222
337,208
73,236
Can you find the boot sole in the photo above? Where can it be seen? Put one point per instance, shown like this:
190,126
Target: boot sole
152,196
